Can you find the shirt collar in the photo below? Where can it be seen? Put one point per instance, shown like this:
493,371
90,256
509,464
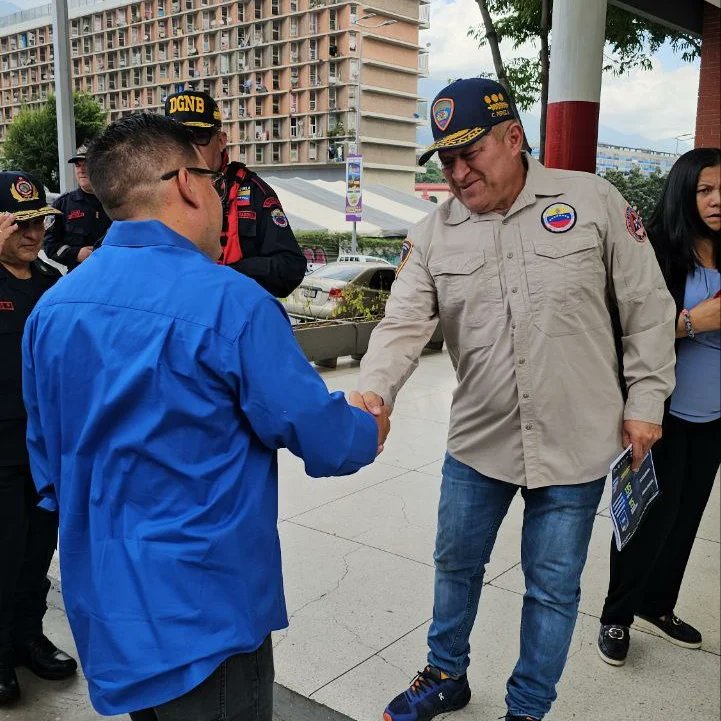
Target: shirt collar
539,182
146,233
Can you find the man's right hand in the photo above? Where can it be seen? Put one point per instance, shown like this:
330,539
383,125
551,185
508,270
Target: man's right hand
372,403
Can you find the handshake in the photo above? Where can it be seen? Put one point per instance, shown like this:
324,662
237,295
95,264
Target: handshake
372,403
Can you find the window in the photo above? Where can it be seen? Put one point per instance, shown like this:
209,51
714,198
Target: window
276,80
352,41
312,100
294,153
276,105
276,30
259,154
258,9
277,151
258,106
312,151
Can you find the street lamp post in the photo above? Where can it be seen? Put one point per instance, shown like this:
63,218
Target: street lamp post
357,135
683,136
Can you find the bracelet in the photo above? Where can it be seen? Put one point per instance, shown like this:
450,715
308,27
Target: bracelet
688,324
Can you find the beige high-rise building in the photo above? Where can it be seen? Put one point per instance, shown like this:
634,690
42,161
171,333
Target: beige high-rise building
296,80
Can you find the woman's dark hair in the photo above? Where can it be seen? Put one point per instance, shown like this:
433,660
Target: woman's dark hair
675,223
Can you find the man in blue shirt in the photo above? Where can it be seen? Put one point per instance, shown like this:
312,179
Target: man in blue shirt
159,386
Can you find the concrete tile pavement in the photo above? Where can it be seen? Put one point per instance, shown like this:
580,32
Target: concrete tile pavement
357,556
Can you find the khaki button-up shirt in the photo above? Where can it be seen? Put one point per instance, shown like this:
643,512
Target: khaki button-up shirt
524,301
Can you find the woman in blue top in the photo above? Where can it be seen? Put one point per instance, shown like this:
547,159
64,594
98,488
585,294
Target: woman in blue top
685,230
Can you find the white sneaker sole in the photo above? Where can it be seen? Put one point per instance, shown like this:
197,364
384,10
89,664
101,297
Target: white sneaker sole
607,659
644,625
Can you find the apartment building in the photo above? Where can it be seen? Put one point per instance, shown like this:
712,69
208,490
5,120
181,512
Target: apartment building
299,82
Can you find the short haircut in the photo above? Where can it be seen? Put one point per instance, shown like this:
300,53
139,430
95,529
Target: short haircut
126,161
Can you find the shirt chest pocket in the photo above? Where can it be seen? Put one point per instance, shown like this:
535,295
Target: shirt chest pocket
466,280
566,281
469,295
563,272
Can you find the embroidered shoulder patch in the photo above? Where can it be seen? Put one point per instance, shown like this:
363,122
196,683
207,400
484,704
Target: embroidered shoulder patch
406,250
271,202
279,217
634,225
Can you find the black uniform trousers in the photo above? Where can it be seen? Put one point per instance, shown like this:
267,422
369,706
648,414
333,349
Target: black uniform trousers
28,538
646,576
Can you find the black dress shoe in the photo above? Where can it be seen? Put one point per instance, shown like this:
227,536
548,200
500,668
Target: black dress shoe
9,688
45,660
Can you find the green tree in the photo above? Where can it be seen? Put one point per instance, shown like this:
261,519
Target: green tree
32,139
641,191
431,174
631,42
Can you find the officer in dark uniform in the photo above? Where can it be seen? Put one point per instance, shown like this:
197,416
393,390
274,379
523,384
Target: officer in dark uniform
257,238
72,237
28,534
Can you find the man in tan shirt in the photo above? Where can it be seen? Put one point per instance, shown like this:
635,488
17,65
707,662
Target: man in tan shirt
525,267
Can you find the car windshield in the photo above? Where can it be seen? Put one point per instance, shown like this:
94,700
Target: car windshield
335,272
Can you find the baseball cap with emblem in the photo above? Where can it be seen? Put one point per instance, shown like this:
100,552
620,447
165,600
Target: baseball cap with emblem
193,108
23,196
465,111
80,154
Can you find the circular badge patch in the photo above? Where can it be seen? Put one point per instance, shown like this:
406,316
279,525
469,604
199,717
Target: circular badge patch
279,218
559,217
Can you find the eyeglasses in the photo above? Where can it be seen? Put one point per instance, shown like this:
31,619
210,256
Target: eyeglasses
216,178
203,136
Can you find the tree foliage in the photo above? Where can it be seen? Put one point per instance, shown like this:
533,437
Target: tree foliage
32,139
631,42
641,191
431,174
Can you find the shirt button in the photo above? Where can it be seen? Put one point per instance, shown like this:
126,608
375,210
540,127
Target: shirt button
521,361
513,325
529,426
509,255
514,290
525,395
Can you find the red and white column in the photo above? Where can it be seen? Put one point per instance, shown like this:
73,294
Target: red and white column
574,90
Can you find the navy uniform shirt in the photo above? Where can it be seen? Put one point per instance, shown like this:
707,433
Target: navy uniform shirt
159,387
17,299
83,223
269,252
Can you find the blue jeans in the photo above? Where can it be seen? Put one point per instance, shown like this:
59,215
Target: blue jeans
557,525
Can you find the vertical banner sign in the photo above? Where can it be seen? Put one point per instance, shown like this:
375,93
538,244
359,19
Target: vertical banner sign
353,195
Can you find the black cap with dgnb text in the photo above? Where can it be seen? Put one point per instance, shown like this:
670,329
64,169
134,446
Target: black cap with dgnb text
23,196
193,108
464,111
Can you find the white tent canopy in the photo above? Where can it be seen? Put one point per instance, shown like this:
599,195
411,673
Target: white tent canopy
320,205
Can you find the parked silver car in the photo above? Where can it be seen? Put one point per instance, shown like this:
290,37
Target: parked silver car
320,295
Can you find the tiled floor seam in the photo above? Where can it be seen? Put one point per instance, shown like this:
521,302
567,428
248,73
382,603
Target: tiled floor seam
402,472
373,655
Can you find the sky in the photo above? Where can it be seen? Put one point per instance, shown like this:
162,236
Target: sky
642,109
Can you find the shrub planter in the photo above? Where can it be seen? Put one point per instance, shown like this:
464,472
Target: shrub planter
324,342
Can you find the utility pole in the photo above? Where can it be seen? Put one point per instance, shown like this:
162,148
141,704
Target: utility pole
63,95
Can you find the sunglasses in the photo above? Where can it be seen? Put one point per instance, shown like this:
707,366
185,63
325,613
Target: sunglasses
217,178
203,136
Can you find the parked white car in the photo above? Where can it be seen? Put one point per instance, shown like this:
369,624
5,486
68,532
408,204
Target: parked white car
320,293
347,258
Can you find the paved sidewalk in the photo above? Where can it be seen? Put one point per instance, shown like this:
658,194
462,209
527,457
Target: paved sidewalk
357,557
